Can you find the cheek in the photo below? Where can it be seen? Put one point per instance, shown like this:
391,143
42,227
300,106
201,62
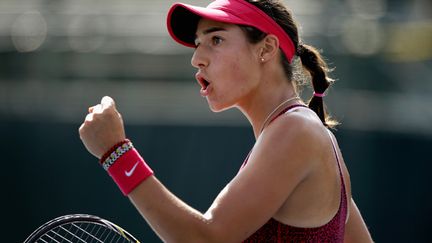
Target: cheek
244,71
236,70
240,69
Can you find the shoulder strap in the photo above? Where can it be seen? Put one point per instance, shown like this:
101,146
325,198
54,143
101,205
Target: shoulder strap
344,199
336,153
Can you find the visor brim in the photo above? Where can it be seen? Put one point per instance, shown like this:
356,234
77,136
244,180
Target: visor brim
182,21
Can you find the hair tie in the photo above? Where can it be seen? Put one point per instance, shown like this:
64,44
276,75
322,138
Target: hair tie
318,94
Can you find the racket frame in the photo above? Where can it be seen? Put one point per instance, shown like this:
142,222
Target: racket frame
77,218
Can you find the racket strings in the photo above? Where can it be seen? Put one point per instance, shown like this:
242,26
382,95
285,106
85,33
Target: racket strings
82,233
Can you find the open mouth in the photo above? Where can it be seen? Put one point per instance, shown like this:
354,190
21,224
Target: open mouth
203,82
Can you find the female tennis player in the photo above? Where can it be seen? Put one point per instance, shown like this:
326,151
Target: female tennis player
294,185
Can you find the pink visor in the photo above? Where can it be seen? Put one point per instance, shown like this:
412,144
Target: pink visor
183,19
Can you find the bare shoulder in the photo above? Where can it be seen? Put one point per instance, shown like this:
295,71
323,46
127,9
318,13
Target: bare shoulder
294,140
299,128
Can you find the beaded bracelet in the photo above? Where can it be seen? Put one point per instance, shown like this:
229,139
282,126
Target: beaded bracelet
112,149
114,155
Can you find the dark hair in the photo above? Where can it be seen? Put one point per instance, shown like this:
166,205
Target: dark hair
310,57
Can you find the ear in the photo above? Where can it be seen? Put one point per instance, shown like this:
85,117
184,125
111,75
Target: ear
269,48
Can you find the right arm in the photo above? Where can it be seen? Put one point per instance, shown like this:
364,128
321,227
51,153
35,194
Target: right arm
356,230
246,203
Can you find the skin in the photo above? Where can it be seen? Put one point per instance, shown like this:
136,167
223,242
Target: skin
291,175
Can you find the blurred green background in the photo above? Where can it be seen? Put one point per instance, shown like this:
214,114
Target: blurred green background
59,57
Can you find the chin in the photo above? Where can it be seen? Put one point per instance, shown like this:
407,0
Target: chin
218,107
216,110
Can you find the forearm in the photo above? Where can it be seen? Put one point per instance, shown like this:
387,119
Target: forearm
170,218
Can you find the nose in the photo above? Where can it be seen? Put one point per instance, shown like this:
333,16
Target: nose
199,59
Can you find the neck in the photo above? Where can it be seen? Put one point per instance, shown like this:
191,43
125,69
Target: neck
283,105
264,108
273,94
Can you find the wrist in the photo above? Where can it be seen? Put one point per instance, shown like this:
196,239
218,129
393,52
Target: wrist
126,167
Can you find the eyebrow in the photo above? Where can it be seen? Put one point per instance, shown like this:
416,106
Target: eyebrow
213,29
210,30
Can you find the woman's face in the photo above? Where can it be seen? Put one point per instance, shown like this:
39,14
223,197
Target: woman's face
228,65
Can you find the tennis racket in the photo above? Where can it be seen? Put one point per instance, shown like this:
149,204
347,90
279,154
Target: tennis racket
82,228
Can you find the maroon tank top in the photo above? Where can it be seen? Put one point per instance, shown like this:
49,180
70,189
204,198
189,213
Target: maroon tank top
333,231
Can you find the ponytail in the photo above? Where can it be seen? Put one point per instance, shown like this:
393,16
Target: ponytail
310,57
312,60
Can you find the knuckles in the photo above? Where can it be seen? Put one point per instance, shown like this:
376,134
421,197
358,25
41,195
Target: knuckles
100,118
102,115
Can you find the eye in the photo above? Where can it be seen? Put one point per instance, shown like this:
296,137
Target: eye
216,40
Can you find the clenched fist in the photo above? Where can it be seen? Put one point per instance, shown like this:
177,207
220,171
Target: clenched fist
102,127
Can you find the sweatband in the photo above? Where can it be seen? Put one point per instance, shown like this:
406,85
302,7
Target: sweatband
129,170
